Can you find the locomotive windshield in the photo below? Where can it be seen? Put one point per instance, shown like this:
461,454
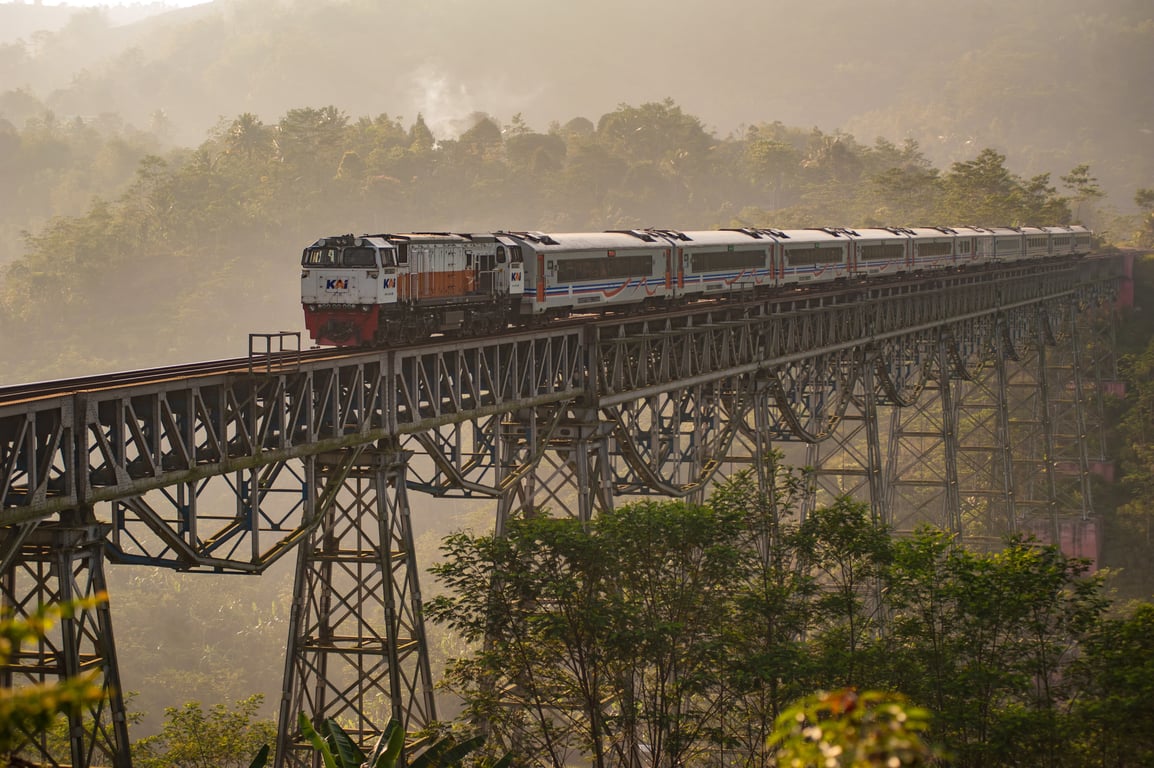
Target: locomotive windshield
339,257
359,257
320,257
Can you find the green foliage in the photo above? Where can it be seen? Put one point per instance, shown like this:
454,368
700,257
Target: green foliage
983,192
845,550
1117,668
986,641
845,729
31,709
337,749
684,633
260,760
1132,523
217,738
599,638
1144,199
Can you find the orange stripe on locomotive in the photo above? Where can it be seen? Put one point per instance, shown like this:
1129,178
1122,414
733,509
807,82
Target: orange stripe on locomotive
437,271
436,285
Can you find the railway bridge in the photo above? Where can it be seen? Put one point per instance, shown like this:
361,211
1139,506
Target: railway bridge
969,400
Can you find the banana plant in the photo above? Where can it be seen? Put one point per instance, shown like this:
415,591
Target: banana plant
339,751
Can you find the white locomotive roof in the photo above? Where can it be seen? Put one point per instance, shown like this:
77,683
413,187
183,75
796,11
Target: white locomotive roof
387,240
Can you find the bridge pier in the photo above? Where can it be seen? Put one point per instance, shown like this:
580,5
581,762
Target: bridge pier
923,446
846,460
985,458
556,460
58,563
356,650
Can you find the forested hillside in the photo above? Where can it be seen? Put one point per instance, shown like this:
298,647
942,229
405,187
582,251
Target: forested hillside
1054,83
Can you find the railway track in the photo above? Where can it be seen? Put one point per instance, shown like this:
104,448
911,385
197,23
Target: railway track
274,361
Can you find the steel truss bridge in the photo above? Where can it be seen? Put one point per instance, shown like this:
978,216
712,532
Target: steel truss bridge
971,401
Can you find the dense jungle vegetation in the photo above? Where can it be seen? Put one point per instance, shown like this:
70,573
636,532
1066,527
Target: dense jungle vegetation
683,633
123,243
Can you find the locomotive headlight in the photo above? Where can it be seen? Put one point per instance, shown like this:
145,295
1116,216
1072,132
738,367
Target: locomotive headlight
304,274
373,273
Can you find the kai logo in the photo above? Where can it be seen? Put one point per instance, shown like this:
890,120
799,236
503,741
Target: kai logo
337,284
390,282
515,276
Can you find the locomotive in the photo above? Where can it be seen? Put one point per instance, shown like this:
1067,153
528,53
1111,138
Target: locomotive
390,288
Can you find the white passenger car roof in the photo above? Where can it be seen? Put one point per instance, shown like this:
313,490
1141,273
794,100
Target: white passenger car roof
719,237
588,241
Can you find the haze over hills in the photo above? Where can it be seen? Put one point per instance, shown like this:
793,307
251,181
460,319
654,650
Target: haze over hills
1054,83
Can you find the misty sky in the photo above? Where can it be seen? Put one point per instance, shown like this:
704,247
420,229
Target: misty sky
96,3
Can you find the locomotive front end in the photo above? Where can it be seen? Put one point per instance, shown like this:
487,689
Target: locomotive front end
345,280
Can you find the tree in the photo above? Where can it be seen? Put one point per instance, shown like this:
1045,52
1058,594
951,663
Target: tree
602,637
772,614
657,132
905,194
845,729
1133,517
774,166
219,738
247,136
987,640
420,137
1085,188
983,192
311,141
846,552
1144,199
484,136
979,192
1116,669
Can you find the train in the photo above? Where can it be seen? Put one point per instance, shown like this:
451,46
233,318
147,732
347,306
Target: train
386,289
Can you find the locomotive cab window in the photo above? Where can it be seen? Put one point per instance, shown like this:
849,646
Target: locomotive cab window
319,257
359,257
500,254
